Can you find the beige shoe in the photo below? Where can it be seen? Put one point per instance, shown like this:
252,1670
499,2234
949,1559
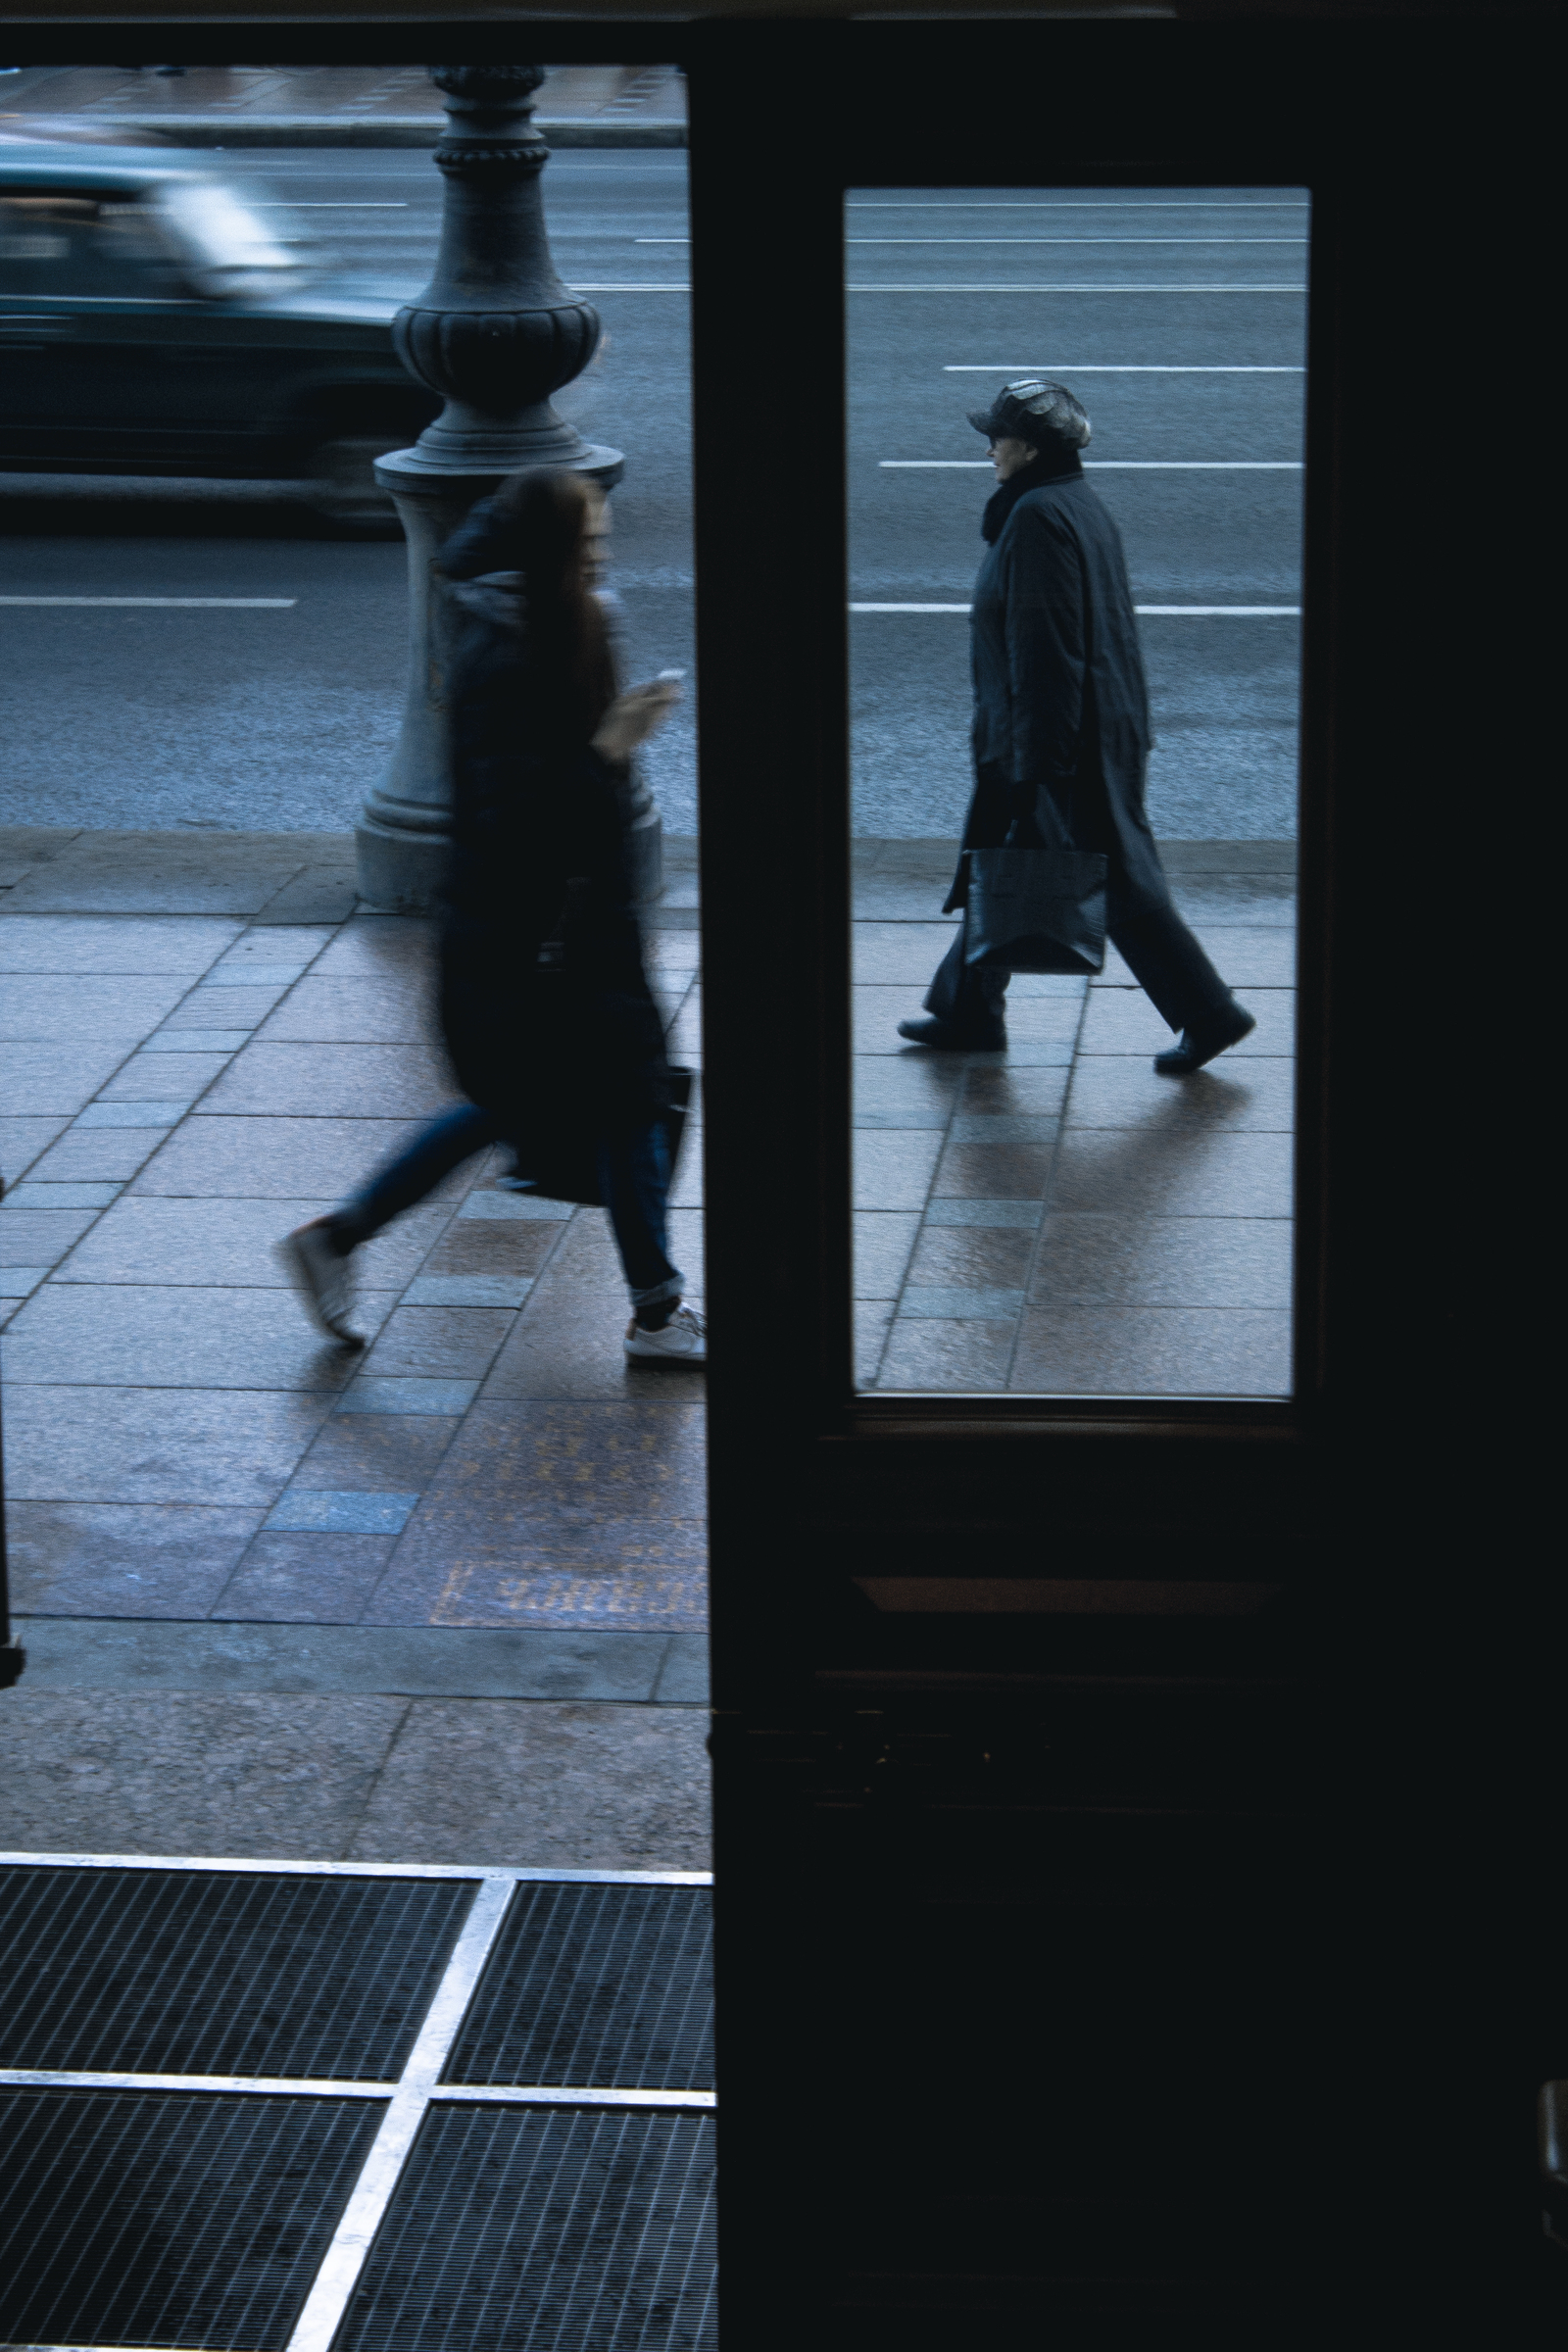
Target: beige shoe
323,1278
683,1340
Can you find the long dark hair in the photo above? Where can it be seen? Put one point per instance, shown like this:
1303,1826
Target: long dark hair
543,518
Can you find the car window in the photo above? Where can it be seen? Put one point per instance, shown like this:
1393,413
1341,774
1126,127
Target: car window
89,242
227,247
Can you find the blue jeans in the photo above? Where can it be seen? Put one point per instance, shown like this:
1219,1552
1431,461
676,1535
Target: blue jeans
633,1176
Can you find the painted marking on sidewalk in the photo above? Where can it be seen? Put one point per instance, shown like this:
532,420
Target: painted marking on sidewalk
207,602
252,604
1111,465
1100,367
1185,611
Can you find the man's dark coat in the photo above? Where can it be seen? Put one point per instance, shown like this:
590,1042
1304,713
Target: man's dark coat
539,854
1061,707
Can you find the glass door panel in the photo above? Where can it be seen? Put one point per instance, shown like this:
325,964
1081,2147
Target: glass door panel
1040,1207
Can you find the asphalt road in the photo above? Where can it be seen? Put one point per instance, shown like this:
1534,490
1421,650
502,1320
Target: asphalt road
1187,358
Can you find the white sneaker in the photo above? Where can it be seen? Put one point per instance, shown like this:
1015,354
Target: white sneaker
683,1340
322,1276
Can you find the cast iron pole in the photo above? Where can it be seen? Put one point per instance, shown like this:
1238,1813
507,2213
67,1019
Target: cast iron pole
495,332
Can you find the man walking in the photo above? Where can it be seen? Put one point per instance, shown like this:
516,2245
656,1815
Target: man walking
1061,731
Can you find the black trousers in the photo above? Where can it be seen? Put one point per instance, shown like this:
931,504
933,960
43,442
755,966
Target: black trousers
1154,944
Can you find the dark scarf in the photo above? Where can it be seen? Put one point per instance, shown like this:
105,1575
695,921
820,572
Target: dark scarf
1048,465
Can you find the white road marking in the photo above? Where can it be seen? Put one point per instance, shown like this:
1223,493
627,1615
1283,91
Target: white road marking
252,604
1188,611
327,203
1099,367
969,288
1111,465
1050,240
1028,240
1079,204
1063,286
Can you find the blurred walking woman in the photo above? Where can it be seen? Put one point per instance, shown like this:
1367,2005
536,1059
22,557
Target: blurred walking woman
565,1056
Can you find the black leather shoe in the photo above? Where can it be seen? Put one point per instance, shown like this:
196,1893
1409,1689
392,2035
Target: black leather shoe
948,1038
1199,1046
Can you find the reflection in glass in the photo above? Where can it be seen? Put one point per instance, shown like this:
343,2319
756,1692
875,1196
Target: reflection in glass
1075,1181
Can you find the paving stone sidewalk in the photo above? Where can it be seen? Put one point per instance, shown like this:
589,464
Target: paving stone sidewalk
1060,1220
359,1775
442,1602
236,106
205,1040
203,1044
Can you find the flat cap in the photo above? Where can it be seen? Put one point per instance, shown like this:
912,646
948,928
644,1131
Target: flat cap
1033,409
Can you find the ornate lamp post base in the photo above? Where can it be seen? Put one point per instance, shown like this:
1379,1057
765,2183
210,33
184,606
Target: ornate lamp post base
495,332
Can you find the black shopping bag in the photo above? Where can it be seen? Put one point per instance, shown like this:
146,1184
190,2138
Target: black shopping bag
560,1160
590,1046
1035,910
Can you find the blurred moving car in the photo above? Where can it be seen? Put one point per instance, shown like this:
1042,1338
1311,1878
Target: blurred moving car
152,323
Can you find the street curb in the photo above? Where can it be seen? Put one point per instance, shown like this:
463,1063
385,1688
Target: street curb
655,1666
390,130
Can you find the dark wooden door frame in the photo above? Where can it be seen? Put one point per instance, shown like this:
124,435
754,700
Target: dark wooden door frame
846,1477
1358,1501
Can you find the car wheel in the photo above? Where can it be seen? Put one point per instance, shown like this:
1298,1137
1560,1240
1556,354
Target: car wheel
342,478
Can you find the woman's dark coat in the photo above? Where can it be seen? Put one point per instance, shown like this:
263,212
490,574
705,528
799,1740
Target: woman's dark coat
1060,707
539,854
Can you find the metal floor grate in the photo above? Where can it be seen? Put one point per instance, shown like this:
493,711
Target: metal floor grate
520,2227
217,1972
596,1986
163,2218
244,2107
